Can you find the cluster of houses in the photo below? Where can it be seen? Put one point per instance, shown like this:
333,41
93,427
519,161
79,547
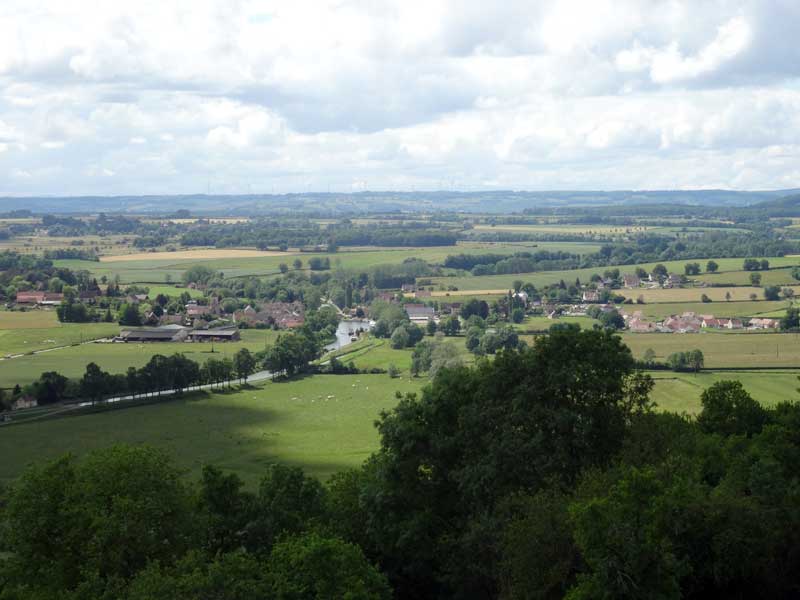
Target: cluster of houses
690,322
39,298
283,315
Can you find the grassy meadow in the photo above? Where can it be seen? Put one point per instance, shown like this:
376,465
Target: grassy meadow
542,278
322,423
723,349
680,392
112,357
36,330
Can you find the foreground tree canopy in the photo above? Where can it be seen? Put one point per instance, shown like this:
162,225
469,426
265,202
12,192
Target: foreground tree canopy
542,473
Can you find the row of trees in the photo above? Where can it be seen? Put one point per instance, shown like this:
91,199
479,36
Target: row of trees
160,374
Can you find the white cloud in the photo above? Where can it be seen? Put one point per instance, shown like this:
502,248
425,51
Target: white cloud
148,96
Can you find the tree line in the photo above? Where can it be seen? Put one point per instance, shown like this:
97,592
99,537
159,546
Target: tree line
161,374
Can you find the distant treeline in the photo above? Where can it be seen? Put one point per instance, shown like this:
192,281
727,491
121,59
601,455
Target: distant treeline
264,235
645,248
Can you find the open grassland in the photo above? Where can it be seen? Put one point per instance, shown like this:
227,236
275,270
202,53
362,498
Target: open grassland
694,294
172,291
723,350
542,278
781,276
113,357
322,423
540,323
29,331
28,319
718,309
680,392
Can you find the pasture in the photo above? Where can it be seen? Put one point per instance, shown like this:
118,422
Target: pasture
680,392
716,294
542,278
760,308
36,330
113,357
322,423
723,349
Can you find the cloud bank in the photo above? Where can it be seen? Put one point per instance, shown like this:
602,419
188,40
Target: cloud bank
237,96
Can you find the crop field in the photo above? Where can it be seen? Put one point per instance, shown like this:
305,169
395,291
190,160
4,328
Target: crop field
559,228
717,294
723,349
112,357
542,278
760,308
111,244
147,270
196,254
680,392
781,276
322,423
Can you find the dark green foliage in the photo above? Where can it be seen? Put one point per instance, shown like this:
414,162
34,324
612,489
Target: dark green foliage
129,315
313,567
691,360
556,408
772,292
729,410
104,518
791,320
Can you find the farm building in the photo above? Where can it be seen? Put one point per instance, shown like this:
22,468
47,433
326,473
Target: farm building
419,313
222,334
29,297
168,333
630,281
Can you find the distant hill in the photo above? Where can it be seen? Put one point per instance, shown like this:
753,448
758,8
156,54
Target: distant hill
500,201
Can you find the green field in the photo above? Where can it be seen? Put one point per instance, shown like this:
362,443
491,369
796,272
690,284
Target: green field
718,309
374,353
322,423
542,278
781,277
723,349
540,323
716,294
30,331
680,392
156,271
114,357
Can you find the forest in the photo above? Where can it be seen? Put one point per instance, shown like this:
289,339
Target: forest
544,473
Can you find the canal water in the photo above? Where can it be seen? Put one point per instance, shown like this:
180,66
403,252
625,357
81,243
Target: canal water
348,330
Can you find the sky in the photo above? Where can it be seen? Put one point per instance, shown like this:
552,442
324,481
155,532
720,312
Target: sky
237,96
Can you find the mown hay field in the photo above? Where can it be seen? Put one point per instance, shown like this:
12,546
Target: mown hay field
723,349
680,392
716,294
